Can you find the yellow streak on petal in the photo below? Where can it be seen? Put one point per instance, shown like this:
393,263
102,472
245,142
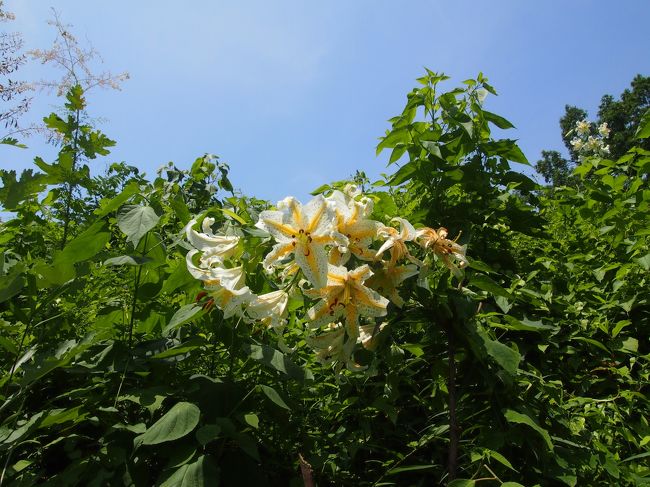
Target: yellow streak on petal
314,221
285,229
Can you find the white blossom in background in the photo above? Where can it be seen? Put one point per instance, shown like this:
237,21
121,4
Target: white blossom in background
588,144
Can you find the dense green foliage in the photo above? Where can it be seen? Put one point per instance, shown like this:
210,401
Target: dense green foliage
530,368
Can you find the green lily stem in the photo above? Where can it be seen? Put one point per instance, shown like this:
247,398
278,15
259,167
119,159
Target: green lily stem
454,438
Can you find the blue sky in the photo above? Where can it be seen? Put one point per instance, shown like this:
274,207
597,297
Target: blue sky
295,94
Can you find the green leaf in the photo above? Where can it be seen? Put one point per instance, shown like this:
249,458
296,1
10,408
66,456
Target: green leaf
176,423
486,283
12,141
180,208
503,303
505,356
274,359
643,130
526,324
183,315
593,342
8,345
127,260
84,246
13,191
11,284
516,417
461,483
644,261
197,474
410,468
273,395
630,344
232,215
497,120
511,484
183,349
135,221
252,420
636,457
398,136
206,434
108,205
179,277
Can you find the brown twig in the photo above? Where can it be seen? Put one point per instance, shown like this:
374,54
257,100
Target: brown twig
306,471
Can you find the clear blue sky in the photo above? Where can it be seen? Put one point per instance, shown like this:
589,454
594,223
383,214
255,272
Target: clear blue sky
293,94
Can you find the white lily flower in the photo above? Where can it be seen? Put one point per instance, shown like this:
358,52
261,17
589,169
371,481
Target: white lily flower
582,127
231,301
329,345
451,253
346,296
368,335
222,245
351,221
212,271
604,130
301,230
269,308
396,241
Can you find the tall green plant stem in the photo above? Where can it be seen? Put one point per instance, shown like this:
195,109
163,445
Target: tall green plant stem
71,184
454,438
134,302
136,288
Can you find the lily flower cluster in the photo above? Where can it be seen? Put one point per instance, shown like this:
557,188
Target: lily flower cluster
348,266
587,144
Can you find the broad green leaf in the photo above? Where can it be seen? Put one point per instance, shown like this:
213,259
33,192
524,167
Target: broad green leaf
179,277
182,316
106,206
180,209
8,345
58,416
520,418
13,191
505,356
180,420
500,458
644,261
275,359
636,457
200,473
11,284
183,349
206,434
643,130
593,342
462,483
252,420
126,260
497,120
503,303
84,246
135,221
232,215
486,283
273,395
630,344
526,324
511,484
